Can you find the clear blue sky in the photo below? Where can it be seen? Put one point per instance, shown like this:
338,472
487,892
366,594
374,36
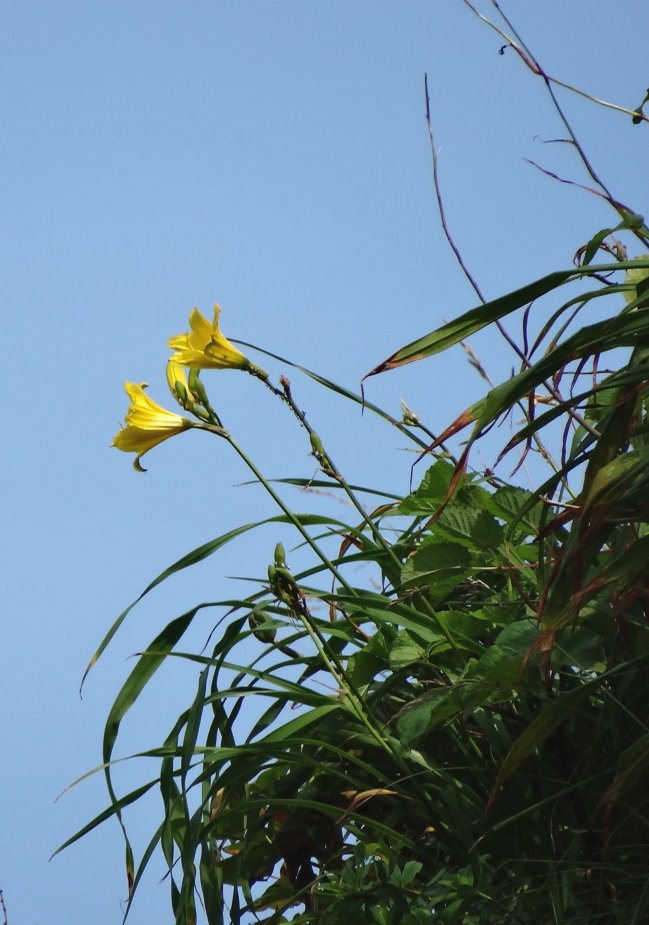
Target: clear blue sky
271,156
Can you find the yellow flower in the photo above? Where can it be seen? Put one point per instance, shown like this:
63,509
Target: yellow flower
177,381
146,424
204,347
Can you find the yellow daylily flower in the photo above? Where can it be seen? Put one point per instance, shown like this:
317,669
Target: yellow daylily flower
177,381
146,424
204,347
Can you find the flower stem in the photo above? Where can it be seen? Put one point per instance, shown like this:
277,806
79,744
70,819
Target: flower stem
355,699
329,468
289,514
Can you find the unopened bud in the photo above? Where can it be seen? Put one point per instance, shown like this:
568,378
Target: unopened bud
196,387
257,620
408,416
181,392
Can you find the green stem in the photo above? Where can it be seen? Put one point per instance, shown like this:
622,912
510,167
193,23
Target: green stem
360,707
325,460
340,390
329,467
289,513
333,663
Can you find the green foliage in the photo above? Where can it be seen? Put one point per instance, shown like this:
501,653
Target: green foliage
445,708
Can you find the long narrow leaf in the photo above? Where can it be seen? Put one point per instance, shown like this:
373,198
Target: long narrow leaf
483,315
197,555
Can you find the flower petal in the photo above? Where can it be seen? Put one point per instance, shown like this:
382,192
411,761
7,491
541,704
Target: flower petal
146,423
204,347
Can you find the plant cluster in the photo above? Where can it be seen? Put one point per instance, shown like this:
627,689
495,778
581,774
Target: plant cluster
450,717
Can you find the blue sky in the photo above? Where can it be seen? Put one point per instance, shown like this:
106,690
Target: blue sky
273,157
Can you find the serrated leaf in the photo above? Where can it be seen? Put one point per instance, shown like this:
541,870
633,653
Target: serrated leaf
507,503
431,491
470,526
405,650
441,566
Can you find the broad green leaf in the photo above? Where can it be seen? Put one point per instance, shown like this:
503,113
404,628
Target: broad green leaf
365,664
505,662
415,721
439,565
404,650
431,491
409,872
469,526
419,718
507,503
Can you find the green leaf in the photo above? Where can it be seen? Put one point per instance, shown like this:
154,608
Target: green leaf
420,717
197,555
415,722
365,664
440,565
508,502
460,328
301,722
636,277
579,647
410,871
144,670
431,491
470,526
386,612
505,661
405,650
551,716
115,807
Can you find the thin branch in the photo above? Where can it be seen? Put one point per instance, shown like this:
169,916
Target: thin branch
536,67
447,234
515,42
440,202
530,62
467,273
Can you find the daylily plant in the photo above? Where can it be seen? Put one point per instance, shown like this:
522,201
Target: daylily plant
204,347
146,424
